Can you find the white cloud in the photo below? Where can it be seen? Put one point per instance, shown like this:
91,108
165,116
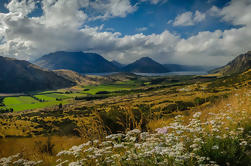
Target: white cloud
23,6
112,8
238,12
184,19
141,29
198,16
155,1
188,18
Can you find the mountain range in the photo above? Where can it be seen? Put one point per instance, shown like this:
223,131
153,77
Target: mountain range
21,76
93,63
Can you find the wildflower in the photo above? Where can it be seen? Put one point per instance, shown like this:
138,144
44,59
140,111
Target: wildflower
118,146
197,115
132,132
77,163
215,147
243,143
162,130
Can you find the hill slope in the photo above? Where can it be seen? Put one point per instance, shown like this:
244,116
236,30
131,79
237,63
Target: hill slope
145,65
70,75
22,76
240,64
76,61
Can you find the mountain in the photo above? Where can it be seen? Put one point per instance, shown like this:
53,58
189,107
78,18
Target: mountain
145,65
117,64
77,61
177,67
22,76
240,64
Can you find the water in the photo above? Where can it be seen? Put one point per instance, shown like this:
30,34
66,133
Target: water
100,74
155,74
174,73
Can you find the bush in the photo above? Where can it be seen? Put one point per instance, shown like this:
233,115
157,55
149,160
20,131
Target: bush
227,151
45,148
199,101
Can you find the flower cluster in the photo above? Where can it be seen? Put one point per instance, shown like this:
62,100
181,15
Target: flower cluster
15,160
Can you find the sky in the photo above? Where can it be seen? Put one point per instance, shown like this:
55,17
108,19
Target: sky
192,32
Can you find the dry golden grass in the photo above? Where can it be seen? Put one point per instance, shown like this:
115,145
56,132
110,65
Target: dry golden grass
239,102
29,148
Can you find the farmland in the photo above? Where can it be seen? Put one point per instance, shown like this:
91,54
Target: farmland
52,98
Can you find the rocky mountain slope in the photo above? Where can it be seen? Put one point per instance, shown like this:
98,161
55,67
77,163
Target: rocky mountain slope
240,64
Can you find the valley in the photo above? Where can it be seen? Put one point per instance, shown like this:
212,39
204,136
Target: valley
97,107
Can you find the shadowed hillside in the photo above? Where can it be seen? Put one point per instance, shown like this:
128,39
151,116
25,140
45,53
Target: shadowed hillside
22,76
145,65
76,61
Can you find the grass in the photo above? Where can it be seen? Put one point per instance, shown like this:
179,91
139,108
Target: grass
22,103
109,88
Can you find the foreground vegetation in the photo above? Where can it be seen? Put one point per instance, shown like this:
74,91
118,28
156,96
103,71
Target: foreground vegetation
217,135
189,120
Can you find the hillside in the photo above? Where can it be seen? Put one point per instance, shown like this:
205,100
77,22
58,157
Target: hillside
70,75
240,64
22,76
77,61
145,65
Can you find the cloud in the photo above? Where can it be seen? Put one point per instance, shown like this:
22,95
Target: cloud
111,8
24,6
62,27
184,19
141,29
198,16
189,19
155,1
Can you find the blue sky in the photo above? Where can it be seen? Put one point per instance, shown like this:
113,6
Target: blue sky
208,32
154,18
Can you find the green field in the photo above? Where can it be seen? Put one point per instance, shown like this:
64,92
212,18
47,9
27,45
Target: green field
50,98
27,103
93,89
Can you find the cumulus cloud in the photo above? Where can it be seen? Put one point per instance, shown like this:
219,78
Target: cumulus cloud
62,27
188,18
220,46
237,12
24,6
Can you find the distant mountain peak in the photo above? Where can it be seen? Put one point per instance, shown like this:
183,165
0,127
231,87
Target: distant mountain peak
145,65
80,62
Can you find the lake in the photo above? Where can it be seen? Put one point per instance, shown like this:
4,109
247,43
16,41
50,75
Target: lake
155,74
